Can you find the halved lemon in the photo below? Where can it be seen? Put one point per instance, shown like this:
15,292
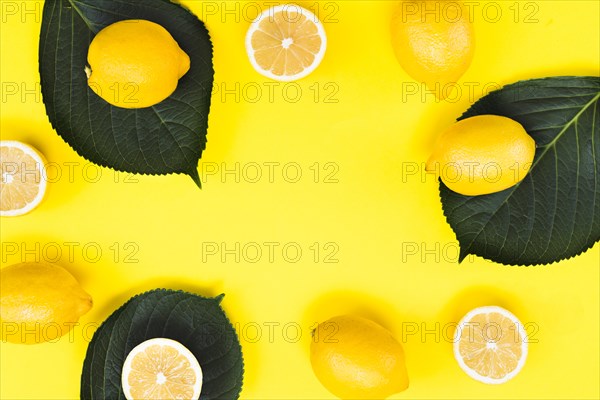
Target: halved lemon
286,42
490,344
161,368
23,179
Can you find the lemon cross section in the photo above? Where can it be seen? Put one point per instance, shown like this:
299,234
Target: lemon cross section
490,345
22,180
161,368
286,43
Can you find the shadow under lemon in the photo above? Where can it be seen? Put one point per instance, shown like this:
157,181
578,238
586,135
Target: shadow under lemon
478,296
348,302
115,302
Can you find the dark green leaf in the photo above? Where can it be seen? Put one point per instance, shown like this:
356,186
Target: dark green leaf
168,137
197,322
554,213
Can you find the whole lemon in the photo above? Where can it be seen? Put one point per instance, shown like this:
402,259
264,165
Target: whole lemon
135,64
355,358
39,302
483,154
434,42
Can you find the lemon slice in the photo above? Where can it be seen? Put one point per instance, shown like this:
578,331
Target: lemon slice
23,182
286,42
490,345
161,368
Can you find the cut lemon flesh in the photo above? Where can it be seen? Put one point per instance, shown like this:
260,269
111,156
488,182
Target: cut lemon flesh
286,42
161,368
22,180
490,345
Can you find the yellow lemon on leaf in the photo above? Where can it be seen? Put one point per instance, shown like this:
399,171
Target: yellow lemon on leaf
135,64
483,154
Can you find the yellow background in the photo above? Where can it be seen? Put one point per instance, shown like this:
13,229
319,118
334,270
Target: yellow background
396,254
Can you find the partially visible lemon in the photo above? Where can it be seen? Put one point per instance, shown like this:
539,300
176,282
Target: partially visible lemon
490,345
161,369
39,302
355,358
135,64
482,154
286,42
434,42
23,179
